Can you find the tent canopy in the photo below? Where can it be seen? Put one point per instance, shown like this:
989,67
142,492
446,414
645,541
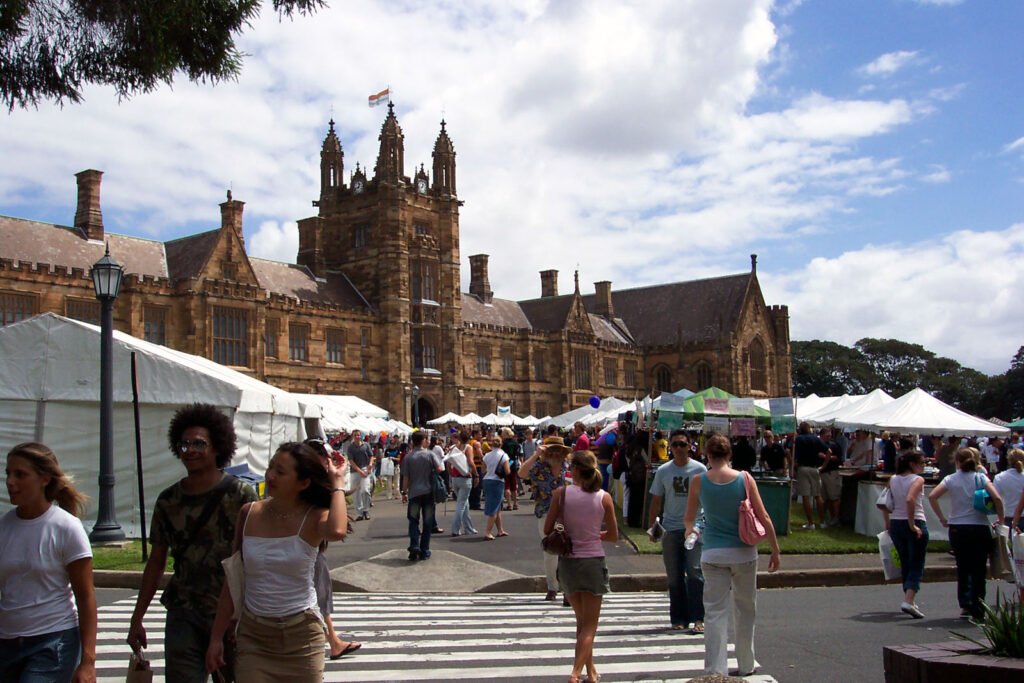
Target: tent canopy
918,412
607,404
49,392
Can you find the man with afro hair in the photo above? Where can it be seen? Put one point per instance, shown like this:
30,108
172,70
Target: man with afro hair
194,520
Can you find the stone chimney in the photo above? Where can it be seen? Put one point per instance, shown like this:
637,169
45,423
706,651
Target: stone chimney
479,285
88,217
603,300
231,216
548,283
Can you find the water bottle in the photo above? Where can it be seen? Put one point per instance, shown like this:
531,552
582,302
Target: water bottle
691,540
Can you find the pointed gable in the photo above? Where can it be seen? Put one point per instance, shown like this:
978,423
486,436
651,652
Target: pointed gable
698,311
187,257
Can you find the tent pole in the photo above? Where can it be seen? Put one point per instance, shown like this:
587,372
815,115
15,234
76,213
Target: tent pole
138,457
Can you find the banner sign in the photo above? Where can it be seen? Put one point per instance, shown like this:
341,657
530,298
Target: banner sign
716,405
741,406
716,425
742,426
781,406
670,421
783,424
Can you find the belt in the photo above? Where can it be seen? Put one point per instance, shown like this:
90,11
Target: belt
280,622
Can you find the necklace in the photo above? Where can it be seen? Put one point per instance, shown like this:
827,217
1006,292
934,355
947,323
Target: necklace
279,515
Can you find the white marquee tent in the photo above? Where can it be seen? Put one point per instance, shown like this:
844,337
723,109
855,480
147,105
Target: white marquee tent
49,392
346,412
918,412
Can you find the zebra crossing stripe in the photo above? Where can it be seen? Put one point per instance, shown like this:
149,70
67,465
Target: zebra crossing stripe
486,637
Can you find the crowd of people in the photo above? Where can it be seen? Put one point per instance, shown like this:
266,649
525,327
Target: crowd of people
700,502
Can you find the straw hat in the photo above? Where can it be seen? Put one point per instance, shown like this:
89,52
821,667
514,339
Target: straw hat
553,445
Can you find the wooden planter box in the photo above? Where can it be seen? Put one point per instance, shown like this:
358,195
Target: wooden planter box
955,661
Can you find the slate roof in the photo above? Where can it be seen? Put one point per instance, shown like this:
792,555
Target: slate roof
297,281
59,245
187,256
700,309
500,312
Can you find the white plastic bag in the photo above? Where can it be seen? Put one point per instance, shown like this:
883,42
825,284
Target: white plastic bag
1018,557
891,566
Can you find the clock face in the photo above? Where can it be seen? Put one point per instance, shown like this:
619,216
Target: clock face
357,186
421,185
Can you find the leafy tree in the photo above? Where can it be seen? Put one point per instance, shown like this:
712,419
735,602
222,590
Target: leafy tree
50,48
897,366
829,369
1004,397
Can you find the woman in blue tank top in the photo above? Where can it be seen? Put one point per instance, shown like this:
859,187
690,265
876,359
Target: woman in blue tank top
729,564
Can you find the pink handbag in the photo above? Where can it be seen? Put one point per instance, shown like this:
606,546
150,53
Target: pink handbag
751,529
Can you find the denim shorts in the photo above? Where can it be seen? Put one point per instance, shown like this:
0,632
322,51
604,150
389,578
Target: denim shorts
46,658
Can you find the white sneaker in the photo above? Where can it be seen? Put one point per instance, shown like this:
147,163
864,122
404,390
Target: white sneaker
911,609
808,527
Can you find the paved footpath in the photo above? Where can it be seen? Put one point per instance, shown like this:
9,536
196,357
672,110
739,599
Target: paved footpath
443,637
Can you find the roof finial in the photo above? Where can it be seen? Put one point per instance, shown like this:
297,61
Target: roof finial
753,263
391,107
229,195
330,124
576,275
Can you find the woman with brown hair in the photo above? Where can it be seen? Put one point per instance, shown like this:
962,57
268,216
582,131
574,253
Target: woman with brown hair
969,533
588,515
729,564
281,631
45,574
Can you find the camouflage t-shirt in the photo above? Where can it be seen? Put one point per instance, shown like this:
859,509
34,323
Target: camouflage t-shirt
198,575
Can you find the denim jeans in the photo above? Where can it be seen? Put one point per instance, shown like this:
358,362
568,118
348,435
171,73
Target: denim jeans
461,522
46,658
606,474
421,506
722,582
911,551
685,579
971,543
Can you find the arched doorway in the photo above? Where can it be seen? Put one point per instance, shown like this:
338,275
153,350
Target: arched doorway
424,411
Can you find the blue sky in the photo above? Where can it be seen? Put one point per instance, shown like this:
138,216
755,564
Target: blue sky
871,153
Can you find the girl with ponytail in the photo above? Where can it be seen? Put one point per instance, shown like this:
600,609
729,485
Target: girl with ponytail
45,573
588,516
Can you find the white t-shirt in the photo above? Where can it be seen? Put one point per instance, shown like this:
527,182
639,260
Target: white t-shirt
1010,484
492,461
35,592
961,486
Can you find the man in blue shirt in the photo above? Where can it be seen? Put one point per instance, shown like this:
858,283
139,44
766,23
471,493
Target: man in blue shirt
685,579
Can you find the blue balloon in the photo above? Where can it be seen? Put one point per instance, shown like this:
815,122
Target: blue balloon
610,438
595,402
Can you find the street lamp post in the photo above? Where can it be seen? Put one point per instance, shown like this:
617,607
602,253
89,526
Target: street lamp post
106,280
415,406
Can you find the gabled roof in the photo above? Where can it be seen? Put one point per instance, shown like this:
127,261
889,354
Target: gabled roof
59,245
500,312
699,309
549,313
297,281
187,256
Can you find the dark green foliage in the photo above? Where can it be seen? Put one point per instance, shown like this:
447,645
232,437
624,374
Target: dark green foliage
1005,394
830,369
50,48
1003,628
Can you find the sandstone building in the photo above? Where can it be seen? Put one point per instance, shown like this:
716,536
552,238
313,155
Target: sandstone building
374,305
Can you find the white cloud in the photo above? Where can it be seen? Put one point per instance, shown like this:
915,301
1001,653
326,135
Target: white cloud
937,174
1017,144
889,63
950,295
274,240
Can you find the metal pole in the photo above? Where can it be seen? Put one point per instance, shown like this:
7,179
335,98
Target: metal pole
138,459
107,529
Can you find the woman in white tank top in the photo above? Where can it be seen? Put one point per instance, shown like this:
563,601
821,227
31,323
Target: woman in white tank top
281,631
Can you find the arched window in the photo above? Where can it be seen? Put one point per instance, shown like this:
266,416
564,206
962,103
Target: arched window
663,378
705,377
758,374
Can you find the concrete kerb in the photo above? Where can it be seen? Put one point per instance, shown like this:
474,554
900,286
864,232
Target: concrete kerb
624,583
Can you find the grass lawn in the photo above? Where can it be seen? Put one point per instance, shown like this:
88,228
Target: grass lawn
834,541
128,558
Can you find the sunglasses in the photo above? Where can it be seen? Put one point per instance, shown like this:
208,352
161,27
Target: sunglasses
198,444
680,444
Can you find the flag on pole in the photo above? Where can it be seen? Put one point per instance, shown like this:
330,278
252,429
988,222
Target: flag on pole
383,97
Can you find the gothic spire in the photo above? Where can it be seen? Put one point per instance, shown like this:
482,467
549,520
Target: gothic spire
444,163
391,158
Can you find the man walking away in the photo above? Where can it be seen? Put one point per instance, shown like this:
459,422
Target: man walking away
809,451
418,470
